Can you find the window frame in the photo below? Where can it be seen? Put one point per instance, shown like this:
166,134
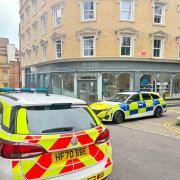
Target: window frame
132,11
43,24
43,2
35,30
162,15
55,14
83,47
34,6
161,48
131,46
44,53
35,51
83,10
61,43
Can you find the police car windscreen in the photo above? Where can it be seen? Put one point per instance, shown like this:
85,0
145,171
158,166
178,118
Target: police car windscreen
120,97
45,120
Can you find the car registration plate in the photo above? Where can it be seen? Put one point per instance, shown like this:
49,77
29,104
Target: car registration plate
70,154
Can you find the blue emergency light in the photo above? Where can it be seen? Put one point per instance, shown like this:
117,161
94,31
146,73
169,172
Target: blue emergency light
38,90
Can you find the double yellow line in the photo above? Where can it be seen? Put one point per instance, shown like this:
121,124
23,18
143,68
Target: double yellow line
170,126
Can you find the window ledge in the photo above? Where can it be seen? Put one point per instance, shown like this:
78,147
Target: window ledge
88,20
157,58
57,27
129,21
35,13
126,56
88,56
43,34
161,25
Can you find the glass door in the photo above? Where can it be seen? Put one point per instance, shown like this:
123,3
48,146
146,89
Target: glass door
87,90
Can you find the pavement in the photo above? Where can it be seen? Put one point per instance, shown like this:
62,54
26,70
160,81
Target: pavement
147,149
173,102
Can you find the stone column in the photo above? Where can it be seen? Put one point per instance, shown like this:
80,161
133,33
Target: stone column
136,81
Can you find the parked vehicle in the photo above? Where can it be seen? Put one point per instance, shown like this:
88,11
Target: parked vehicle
51,137
127,105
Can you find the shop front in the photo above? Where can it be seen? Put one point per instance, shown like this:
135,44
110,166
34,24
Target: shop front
97,80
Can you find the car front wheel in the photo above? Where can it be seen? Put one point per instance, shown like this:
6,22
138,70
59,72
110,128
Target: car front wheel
158,112
118,117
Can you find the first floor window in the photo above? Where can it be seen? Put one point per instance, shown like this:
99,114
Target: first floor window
58,49
35,55
88,46
44,49
157,48
88,10
126,45
28,60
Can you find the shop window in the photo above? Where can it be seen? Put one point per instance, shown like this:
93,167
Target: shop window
68,85
56,83
108,85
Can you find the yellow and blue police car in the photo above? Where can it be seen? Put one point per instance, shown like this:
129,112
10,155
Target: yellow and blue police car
45,136
128,105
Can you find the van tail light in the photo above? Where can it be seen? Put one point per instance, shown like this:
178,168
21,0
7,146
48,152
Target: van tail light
103,137
16,150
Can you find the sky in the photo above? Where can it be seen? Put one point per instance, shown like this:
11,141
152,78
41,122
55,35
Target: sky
9,20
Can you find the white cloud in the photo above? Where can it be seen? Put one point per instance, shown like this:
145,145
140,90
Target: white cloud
9,20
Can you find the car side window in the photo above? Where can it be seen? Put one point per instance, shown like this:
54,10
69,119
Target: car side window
146,97
1,113
154,96
134,98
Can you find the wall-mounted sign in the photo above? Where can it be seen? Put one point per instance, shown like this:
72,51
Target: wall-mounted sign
90,64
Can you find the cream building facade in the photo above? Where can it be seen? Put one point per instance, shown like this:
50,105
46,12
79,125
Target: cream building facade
92,49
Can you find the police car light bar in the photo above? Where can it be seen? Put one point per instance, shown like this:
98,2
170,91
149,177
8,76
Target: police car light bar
42,90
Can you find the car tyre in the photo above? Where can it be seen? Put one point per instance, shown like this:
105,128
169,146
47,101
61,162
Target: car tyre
158,112
118,117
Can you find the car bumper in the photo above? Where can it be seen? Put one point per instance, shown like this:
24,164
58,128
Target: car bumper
98,171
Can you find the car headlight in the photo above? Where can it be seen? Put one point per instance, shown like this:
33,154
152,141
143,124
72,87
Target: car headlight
108,109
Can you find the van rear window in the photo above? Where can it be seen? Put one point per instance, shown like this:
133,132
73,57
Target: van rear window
56,119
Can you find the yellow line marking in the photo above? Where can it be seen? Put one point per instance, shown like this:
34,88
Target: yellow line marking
169,126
